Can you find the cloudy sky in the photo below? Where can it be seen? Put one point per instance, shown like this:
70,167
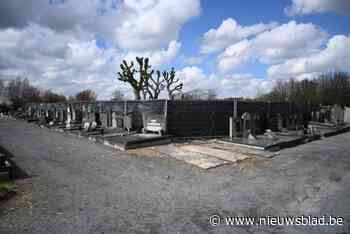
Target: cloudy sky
239,48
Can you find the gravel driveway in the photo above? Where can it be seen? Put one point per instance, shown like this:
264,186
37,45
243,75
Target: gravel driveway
76,186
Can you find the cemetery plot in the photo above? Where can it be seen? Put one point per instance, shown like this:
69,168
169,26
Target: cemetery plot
133,141
207,154
216,153
133,124
224,145
197,159
327,130
263,142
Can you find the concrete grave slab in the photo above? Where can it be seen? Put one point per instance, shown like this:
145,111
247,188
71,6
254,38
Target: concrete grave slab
327,130
218,144
197,159
134,141
265,143
216,153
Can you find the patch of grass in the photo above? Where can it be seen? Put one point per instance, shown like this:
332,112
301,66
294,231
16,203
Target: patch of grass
6,188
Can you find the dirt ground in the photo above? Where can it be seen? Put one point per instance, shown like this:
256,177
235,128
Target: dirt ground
76,186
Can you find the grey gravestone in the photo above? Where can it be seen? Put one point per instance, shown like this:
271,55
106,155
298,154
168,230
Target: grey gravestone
347,115
279,122
114,120
103,119
246,118
337,115
73,114
68,121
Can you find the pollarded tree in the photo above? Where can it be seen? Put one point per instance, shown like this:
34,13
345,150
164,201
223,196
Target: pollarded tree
154,86
147,83
172,83
128,75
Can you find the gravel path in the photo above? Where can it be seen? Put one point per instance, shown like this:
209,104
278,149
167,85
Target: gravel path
76,186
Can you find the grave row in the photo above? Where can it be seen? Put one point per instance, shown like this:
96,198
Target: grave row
177,118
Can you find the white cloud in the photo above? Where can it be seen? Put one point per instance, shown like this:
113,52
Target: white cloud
154,23
303,7
65,63
195,60
56,46
233,85
336,56
230,32
157,57
286,41
92,16
235,56
164,56
131,24
193,77
244,85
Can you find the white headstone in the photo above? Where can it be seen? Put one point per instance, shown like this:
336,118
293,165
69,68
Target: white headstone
68,121
114,120
347,114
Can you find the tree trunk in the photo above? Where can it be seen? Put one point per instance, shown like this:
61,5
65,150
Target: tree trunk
144,94
170,95
137,95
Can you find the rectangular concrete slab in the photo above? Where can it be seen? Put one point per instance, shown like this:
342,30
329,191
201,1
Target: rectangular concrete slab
328,130
116,134
134,141
217,153
264,143
218,144
200,160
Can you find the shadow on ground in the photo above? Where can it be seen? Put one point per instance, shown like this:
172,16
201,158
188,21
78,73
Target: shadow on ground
16,172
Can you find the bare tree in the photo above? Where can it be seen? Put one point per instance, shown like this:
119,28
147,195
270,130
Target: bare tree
172,83
328,88
128,73
86,96
51,97
20,91
154,86
334,88
149,84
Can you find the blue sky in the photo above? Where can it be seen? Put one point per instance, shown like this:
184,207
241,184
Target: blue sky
238,48
251,12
